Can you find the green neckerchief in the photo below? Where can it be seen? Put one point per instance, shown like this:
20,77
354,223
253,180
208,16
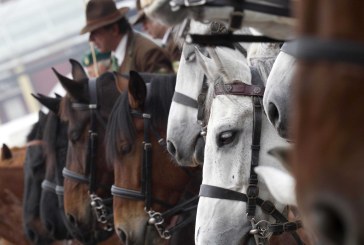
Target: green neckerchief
114,63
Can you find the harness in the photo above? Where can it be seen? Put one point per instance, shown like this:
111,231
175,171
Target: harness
262,230
102,208
145,194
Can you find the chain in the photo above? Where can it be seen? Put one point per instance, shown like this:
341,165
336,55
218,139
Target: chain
156,219
99,209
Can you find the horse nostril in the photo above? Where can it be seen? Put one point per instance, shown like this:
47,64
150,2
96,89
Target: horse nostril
32,236
330,223
122,235
273,113
171,148
50,227
71,220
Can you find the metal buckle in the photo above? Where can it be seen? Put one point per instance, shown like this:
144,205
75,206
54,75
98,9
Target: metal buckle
145,115
147,145
92,106
193,3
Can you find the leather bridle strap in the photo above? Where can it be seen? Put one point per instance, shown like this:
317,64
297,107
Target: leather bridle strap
48,186
185,100
266,206
239,88
317,49
226,194
74,176
226,39
245,5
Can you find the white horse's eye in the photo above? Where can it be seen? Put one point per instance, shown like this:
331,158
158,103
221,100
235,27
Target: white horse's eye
226,138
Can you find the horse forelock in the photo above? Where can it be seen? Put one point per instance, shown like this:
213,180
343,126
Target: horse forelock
159,99
120,130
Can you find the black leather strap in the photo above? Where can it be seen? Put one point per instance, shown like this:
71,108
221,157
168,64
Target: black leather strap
74,176
49,186
226,39
185,100
316,49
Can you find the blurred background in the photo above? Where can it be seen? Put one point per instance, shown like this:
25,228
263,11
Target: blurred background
36,35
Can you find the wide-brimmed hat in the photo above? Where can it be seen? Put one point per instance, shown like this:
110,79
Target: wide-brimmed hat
100,13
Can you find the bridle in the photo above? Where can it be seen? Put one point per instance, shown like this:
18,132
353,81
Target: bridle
102,208
238,8
262,230
145,194
198,104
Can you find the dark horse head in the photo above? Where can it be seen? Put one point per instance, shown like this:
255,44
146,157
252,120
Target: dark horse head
87,183
34,171
146,179
55,144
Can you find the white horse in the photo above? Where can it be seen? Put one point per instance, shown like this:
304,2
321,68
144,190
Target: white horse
269,24
277,98
184,140
228,153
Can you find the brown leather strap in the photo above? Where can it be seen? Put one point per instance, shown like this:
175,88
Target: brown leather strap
239,88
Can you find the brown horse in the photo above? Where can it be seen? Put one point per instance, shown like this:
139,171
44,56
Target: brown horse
11,194
88,180
146,179
328,127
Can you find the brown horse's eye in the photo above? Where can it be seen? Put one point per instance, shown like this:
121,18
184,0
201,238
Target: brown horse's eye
75,135
226,138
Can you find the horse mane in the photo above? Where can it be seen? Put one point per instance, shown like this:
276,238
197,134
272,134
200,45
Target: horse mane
120,128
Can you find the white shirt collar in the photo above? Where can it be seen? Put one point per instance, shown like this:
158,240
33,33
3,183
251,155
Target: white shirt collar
120,51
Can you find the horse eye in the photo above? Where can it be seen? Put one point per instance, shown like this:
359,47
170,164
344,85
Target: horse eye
226,138
75,135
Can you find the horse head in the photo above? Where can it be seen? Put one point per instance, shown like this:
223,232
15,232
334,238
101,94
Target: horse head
277,98
34,172
147,182
233,138
87,183
55,131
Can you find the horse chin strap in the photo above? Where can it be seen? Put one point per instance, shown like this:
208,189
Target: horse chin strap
261,230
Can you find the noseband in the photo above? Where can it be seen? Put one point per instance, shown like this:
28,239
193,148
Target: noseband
101,207
262,230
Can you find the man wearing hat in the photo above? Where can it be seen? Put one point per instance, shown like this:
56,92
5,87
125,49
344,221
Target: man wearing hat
103,61
110,31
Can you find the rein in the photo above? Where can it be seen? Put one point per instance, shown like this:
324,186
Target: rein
262,229
145,194
99,206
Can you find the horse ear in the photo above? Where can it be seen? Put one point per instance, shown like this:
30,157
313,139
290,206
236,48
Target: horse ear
137,90
51,103
206,64
75,88
78,72
6,152
283,155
